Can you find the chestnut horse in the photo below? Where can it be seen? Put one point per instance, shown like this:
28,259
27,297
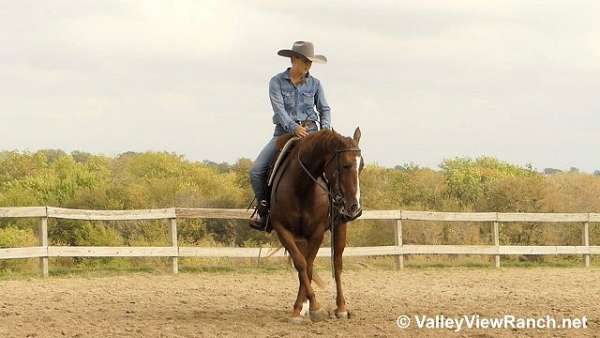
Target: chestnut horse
317,189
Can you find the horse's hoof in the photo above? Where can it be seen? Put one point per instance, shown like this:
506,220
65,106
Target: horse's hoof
319,315
296,320
341,315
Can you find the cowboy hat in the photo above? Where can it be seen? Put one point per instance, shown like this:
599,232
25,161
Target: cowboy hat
304,49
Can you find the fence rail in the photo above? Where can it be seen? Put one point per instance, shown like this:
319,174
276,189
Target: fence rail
43,251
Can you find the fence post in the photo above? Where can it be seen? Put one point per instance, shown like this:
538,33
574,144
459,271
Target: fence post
173,240
258,258
43,239
586,241
496,237
398,240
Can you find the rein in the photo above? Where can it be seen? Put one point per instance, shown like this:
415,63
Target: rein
336,199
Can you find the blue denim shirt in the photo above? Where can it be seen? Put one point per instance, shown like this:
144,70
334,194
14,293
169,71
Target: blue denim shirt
291,103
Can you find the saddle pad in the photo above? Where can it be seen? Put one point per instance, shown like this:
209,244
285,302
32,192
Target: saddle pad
288,145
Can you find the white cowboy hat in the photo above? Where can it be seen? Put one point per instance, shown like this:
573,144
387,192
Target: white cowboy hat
304,49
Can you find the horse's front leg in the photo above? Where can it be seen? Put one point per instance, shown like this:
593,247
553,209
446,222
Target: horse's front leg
287,240
312,248
340,243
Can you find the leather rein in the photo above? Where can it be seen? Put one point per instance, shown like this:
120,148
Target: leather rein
336,197
336,200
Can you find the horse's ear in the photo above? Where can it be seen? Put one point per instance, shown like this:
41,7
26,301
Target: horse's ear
356,136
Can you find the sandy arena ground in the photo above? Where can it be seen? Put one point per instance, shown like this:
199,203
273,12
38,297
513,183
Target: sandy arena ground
246,304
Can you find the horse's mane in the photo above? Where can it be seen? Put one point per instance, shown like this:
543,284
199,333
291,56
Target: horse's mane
324,140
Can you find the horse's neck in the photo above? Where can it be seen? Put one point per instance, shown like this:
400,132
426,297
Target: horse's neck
313,159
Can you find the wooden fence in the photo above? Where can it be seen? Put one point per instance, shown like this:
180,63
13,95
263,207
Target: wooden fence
43,251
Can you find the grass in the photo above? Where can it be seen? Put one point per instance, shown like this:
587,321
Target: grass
108,267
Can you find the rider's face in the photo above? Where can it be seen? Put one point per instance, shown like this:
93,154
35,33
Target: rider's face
301,64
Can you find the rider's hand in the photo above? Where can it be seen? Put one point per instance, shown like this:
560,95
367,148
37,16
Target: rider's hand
301,132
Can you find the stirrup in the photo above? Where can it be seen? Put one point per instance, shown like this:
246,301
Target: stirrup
266,226
262,209
255,224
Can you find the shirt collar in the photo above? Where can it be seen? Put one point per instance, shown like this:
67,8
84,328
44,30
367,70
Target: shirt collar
286,74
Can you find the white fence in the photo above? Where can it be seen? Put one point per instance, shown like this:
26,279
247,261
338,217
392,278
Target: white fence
43,251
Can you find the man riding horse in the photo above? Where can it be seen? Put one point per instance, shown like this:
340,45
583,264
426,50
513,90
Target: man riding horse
294,94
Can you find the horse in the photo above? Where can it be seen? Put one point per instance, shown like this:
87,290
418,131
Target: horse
317,189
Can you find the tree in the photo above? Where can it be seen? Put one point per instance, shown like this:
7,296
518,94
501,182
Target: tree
552,171
468,180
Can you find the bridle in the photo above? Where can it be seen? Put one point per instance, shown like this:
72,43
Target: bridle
336,198
337,205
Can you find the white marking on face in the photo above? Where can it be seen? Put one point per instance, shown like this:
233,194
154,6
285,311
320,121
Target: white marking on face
357,182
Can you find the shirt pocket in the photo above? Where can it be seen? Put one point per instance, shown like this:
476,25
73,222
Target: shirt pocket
289,98
308,98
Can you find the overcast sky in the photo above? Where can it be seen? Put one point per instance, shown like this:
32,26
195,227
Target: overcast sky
425,80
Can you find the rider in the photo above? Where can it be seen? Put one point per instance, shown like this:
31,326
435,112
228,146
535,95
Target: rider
294,94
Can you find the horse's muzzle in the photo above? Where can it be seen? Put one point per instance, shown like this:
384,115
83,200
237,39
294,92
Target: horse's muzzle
347,217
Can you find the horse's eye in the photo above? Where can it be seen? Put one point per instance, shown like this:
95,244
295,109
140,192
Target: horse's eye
348,166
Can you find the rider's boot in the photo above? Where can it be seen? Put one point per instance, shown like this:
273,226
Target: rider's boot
259,218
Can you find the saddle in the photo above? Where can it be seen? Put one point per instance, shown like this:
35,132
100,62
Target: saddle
285,143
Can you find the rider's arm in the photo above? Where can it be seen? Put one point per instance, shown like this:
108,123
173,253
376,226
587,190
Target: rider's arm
286,121
323,108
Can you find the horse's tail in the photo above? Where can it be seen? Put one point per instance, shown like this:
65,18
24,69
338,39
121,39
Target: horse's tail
320,283
275,250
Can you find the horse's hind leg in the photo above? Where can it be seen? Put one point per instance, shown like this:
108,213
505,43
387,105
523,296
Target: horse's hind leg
287,240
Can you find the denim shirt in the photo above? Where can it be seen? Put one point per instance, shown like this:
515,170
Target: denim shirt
297,103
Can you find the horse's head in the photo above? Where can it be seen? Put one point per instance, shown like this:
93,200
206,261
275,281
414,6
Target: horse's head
342,170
